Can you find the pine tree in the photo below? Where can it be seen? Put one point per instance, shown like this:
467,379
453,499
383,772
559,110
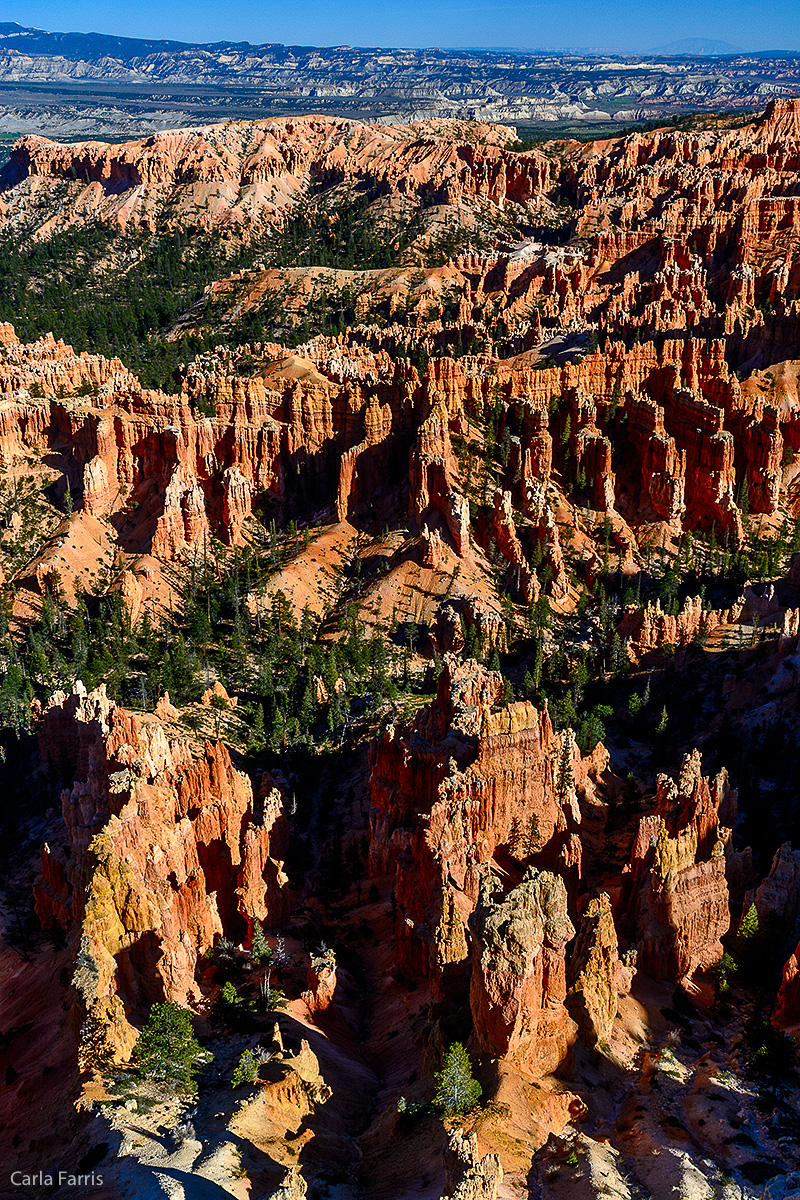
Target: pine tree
565,778
457,1090
471,648
308,705
618,656
749,926
773,1056
538,664
259,946
533,840
744,499
246,1070
508,617
722,972
515,836
167,1048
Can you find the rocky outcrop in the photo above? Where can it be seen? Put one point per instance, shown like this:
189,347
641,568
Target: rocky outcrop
521,578
592,451
321,982
650,628
470,1177
596,976
777,897
787,1006
465,783
519,976
675,890
225,174
684,258
432,474
163,851
456,617
292,1186
663,465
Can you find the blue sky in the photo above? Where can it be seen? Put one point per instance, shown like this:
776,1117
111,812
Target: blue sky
633,25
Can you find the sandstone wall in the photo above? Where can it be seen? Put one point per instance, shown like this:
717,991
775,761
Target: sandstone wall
164,849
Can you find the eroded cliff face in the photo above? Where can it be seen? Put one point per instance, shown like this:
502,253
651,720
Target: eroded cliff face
465,785
330,424
650,628
787,1006
164,848
596,974
675,891
470,1176
483,814
466,796
287,438
519,984
224,175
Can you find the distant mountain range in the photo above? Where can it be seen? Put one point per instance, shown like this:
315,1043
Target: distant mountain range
84,84
705,47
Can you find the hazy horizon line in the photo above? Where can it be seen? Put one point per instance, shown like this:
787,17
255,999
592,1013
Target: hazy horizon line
504,49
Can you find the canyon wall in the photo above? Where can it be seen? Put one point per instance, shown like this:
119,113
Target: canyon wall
164,848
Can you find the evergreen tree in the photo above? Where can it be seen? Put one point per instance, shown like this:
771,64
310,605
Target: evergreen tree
619,658
259,946
515,836
533,839
167,1048
257,731
565,778
748,930
538,664
773,1056
744,498
722,972
246,1070
457,1090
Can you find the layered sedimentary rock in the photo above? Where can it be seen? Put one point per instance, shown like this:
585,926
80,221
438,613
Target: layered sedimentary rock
164,849
470,1176
650,628
432,475
592,450
467,782
223,174
675,890
519,975
321,982
663,465
787,1006
456,617
695,269
522,580
596,975
777,898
